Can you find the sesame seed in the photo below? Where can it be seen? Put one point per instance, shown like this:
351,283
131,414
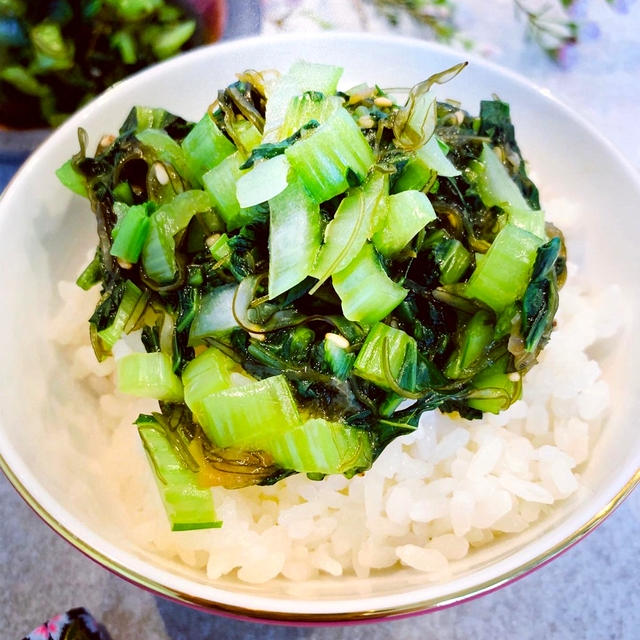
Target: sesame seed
106,141
383,101
366,122
124,264
338,340
366,92
161,173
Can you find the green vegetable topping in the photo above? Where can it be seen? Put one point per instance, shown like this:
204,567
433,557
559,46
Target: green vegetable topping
301,263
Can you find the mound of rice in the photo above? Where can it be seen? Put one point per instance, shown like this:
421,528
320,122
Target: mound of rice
432,496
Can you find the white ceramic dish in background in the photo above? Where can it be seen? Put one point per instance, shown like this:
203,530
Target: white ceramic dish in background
44,236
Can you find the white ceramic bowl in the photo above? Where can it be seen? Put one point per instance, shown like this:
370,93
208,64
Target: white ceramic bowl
44,236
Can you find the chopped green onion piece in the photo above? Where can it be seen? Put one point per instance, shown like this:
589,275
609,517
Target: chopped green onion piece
205,147
264,181
369,363
132,231
215,315
251,415
320,446
408,213
111,334
295,232
71,179
502,276
148,375
188,505
327,158
366,291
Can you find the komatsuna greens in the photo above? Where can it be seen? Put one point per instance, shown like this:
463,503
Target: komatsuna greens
309,270
57,55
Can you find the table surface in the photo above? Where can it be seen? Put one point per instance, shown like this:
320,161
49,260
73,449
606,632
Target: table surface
591,592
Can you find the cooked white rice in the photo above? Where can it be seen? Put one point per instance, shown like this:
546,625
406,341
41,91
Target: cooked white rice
430,498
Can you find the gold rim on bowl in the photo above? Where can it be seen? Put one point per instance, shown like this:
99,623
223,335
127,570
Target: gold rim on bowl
319,618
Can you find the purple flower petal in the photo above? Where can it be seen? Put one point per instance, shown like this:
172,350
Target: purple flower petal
566,56
621,6
578,9
589,31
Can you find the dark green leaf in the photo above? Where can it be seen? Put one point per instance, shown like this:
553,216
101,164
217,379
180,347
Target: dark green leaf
151,339
273,149
545,259
539,306
103,316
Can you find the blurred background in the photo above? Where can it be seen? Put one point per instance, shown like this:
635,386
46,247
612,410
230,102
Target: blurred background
56,55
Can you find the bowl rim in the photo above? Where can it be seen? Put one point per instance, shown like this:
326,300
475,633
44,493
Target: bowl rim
354,616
